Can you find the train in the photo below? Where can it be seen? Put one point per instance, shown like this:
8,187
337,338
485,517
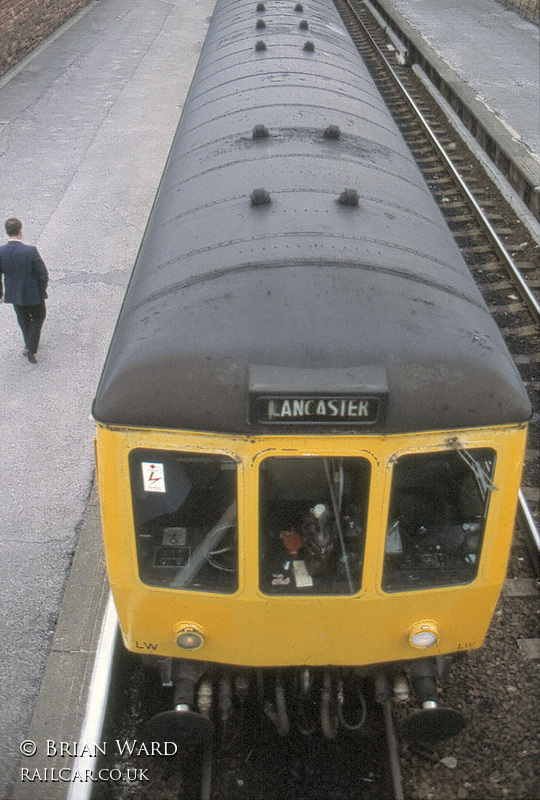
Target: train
309,430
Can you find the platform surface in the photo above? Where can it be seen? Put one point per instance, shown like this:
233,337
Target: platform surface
493,49
86,123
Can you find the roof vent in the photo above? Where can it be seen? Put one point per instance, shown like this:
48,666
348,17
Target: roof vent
309,46
260,45
260,197
260,132
260,24
261,7
303,25
349,197
332,132
299,7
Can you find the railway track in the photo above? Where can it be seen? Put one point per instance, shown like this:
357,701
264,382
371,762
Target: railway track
254,762
499,242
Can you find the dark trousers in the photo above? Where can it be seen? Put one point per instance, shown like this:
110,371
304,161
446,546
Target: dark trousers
30,319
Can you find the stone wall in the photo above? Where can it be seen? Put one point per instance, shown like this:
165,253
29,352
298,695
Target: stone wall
24,24
530,9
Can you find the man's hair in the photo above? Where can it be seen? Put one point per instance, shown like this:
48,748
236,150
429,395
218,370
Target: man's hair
13,226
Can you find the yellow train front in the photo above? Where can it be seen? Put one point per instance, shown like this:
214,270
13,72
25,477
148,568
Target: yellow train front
309,430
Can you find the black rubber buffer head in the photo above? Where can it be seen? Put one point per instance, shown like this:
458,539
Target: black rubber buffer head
182,727
432,724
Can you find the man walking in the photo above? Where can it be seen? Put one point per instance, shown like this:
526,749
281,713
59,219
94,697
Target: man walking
25,278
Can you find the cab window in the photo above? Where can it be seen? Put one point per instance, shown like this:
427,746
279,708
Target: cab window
437,514
184,509
312,524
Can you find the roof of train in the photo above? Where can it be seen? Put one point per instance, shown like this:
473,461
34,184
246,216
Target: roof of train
294,291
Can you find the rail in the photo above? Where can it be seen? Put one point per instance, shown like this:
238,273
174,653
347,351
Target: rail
530,529
525,291
525,516
511,158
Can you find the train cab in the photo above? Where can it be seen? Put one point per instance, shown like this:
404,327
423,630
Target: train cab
288,550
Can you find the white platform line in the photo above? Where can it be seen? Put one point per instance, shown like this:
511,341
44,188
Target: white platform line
96,703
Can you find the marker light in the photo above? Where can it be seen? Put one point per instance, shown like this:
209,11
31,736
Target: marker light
190,636
423,635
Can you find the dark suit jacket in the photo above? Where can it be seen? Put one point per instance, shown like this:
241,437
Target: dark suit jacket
25,275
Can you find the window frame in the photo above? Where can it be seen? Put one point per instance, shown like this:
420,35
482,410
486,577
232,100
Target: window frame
193,454
448,446
369,464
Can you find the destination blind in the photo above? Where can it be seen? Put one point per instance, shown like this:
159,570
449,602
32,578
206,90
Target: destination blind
340,409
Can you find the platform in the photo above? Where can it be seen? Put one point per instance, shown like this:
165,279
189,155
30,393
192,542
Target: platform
492,50
86,123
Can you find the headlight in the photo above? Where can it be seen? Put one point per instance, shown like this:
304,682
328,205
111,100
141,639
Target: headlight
190,636
423,634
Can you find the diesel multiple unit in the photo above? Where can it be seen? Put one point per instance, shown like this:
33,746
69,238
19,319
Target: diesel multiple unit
309,430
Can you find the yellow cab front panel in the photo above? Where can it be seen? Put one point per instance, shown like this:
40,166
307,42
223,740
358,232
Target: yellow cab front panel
293,550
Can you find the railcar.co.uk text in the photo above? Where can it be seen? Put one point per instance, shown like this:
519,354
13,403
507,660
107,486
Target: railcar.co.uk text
123,748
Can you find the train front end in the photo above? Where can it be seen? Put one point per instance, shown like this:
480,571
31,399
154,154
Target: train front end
307,550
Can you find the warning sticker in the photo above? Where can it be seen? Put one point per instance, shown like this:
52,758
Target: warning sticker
153,476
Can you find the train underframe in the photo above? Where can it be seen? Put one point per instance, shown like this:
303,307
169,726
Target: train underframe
211,699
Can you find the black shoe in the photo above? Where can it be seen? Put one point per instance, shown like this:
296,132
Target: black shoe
30,356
